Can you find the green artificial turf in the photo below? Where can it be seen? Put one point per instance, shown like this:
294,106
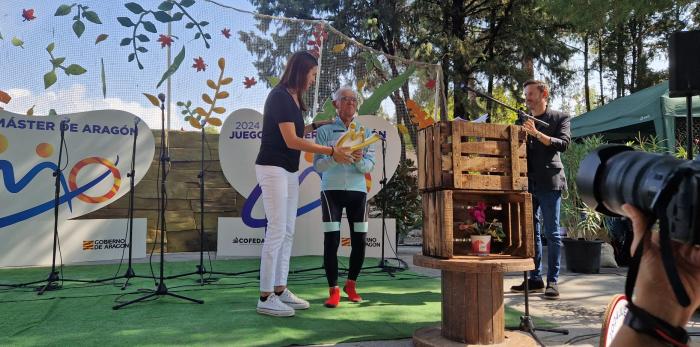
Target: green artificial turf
81,314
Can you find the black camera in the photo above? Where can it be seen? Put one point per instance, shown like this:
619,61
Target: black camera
658,184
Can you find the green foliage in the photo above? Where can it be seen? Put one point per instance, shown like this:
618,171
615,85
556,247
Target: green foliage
402,199
573,210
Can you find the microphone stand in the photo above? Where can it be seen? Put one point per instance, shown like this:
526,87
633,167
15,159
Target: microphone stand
383,264
54,277
130,273
161,289
526,324
520,113
201,270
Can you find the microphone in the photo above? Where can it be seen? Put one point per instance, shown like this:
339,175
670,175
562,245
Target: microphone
161,97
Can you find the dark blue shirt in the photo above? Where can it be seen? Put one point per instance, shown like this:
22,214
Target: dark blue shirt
279,108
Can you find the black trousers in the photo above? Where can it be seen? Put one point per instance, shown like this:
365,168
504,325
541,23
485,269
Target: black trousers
332,204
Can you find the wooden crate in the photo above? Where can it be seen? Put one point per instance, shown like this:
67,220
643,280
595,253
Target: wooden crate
464,155
445,210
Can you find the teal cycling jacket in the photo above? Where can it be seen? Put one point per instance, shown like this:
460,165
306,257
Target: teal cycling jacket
336,176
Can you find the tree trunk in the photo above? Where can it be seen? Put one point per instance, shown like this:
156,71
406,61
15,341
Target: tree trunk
600,68
586,91
620,62
529,67
489,104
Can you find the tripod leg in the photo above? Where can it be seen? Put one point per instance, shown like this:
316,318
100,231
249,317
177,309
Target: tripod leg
126,283
134,301
185,298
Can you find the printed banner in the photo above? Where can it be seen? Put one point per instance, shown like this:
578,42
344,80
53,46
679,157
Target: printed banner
95,160
239,144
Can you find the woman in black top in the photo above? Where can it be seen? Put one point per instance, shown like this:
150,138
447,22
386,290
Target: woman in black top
276,170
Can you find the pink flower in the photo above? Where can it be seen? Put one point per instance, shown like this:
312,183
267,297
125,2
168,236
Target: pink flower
479,216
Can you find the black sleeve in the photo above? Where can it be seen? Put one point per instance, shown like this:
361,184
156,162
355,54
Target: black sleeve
562,137
281,107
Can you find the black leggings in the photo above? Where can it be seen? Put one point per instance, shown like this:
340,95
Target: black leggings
332,204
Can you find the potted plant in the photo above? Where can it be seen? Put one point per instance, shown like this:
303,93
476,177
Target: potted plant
583,244
584,226
482,231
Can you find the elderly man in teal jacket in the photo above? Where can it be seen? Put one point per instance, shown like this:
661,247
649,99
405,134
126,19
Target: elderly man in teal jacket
343,186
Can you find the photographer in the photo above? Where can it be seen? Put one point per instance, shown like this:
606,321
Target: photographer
653,292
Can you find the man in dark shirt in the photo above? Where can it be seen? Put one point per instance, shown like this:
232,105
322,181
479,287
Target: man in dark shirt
546,181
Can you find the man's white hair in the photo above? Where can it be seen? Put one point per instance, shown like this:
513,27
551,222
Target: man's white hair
338,93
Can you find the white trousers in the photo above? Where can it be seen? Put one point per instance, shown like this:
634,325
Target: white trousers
280,193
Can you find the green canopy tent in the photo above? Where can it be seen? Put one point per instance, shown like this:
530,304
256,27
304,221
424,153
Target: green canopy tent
649,111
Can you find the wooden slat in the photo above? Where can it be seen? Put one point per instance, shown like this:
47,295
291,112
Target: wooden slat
513,156
427,232
490,182
430,153
456,151
498,311
437,157
446,242
484,302
500,148
529,232
470,292
489,164
484,130
421,160
454,305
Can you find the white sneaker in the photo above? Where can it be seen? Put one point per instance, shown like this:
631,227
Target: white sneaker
293,301
274,307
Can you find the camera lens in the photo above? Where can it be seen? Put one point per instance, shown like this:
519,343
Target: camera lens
613,175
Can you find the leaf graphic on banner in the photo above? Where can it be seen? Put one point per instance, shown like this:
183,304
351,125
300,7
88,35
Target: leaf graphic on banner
153,99
214,121
49,79
199,115
402,129
103,78
4,97
338,48
273,81
78,28
75,69
328,111
63,10
100,38
17,42
173,67
372,104
418,116
195,123
30,111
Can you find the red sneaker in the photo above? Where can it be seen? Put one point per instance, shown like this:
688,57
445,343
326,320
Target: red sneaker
349,289
333,297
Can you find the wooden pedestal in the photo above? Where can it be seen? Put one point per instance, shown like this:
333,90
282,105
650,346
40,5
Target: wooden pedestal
472,297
